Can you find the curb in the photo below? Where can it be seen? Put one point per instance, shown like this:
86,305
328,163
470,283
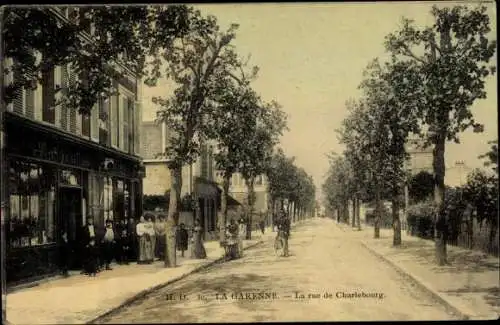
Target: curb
422,284
147,291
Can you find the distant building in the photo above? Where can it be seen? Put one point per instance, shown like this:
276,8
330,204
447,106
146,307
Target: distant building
420,158
198,179
239,191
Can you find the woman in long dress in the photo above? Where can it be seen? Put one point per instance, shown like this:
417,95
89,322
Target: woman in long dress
150,226
160,229
198,250
150,230
144,237
242,232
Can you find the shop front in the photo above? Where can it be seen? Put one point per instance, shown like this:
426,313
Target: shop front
55,181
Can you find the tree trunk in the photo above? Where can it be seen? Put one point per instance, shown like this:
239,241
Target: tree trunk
439,189
353,222
491,239
378,212
396,223
223,207
346,212
358,216
173,215
251,202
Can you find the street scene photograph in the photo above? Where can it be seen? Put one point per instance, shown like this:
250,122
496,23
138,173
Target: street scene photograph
249,163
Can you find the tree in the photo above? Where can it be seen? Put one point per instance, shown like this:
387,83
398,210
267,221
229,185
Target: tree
491,156
481,190
230,127
451,73
37,40
421,186
268,125
336,187
196,63
279,172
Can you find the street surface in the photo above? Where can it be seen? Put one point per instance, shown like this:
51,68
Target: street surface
324,260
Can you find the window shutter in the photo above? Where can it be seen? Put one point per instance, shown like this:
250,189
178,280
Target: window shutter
125,114
39,94
48,99
114,120
73,111
104,121
79,125
94,123
29,99
131,126
8,78
18,96
121,122
58,71
137,122
64,108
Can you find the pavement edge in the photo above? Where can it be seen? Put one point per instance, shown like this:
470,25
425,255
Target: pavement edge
147,291
422,284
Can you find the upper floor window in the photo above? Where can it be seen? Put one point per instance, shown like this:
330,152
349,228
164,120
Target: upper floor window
104,121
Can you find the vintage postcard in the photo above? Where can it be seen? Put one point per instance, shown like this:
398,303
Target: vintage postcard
265,162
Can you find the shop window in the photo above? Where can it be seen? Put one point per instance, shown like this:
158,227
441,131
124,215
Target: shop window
70,177
32,204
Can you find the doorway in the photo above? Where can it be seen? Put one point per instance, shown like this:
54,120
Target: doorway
70,216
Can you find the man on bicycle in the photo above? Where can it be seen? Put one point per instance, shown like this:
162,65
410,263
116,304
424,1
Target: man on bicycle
284,231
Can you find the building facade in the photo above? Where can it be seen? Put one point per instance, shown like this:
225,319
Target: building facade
239,191
64,166
197,178
420,158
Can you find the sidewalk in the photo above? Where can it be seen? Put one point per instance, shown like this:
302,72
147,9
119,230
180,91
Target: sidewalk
469,285
80,299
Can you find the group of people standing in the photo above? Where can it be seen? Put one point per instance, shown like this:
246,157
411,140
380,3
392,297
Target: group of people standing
127,241
100,246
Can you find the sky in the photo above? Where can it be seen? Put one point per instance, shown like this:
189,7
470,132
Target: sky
311,59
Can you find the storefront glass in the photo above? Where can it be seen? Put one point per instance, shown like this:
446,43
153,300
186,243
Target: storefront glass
32,204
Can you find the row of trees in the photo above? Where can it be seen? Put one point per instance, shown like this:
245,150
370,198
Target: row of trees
291,184
426,88
212,95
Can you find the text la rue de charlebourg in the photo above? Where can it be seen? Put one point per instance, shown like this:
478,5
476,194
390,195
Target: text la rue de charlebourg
297,295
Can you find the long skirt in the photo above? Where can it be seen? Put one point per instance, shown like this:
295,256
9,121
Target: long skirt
160,246
198,249
153,247
145,250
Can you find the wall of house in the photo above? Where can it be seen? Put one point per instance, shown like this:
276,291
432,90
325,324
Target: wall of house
157,180
151,140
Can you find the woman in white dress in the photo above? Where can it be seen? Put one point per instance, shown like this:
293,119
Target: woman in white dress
141,235
150,227
151,236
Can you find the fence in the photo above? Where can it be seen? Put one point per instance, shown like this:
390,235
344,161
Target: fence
475,235
478,240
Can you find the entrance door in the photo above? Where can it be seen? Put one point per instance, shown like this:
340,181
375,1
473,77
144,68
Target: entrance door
70,216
